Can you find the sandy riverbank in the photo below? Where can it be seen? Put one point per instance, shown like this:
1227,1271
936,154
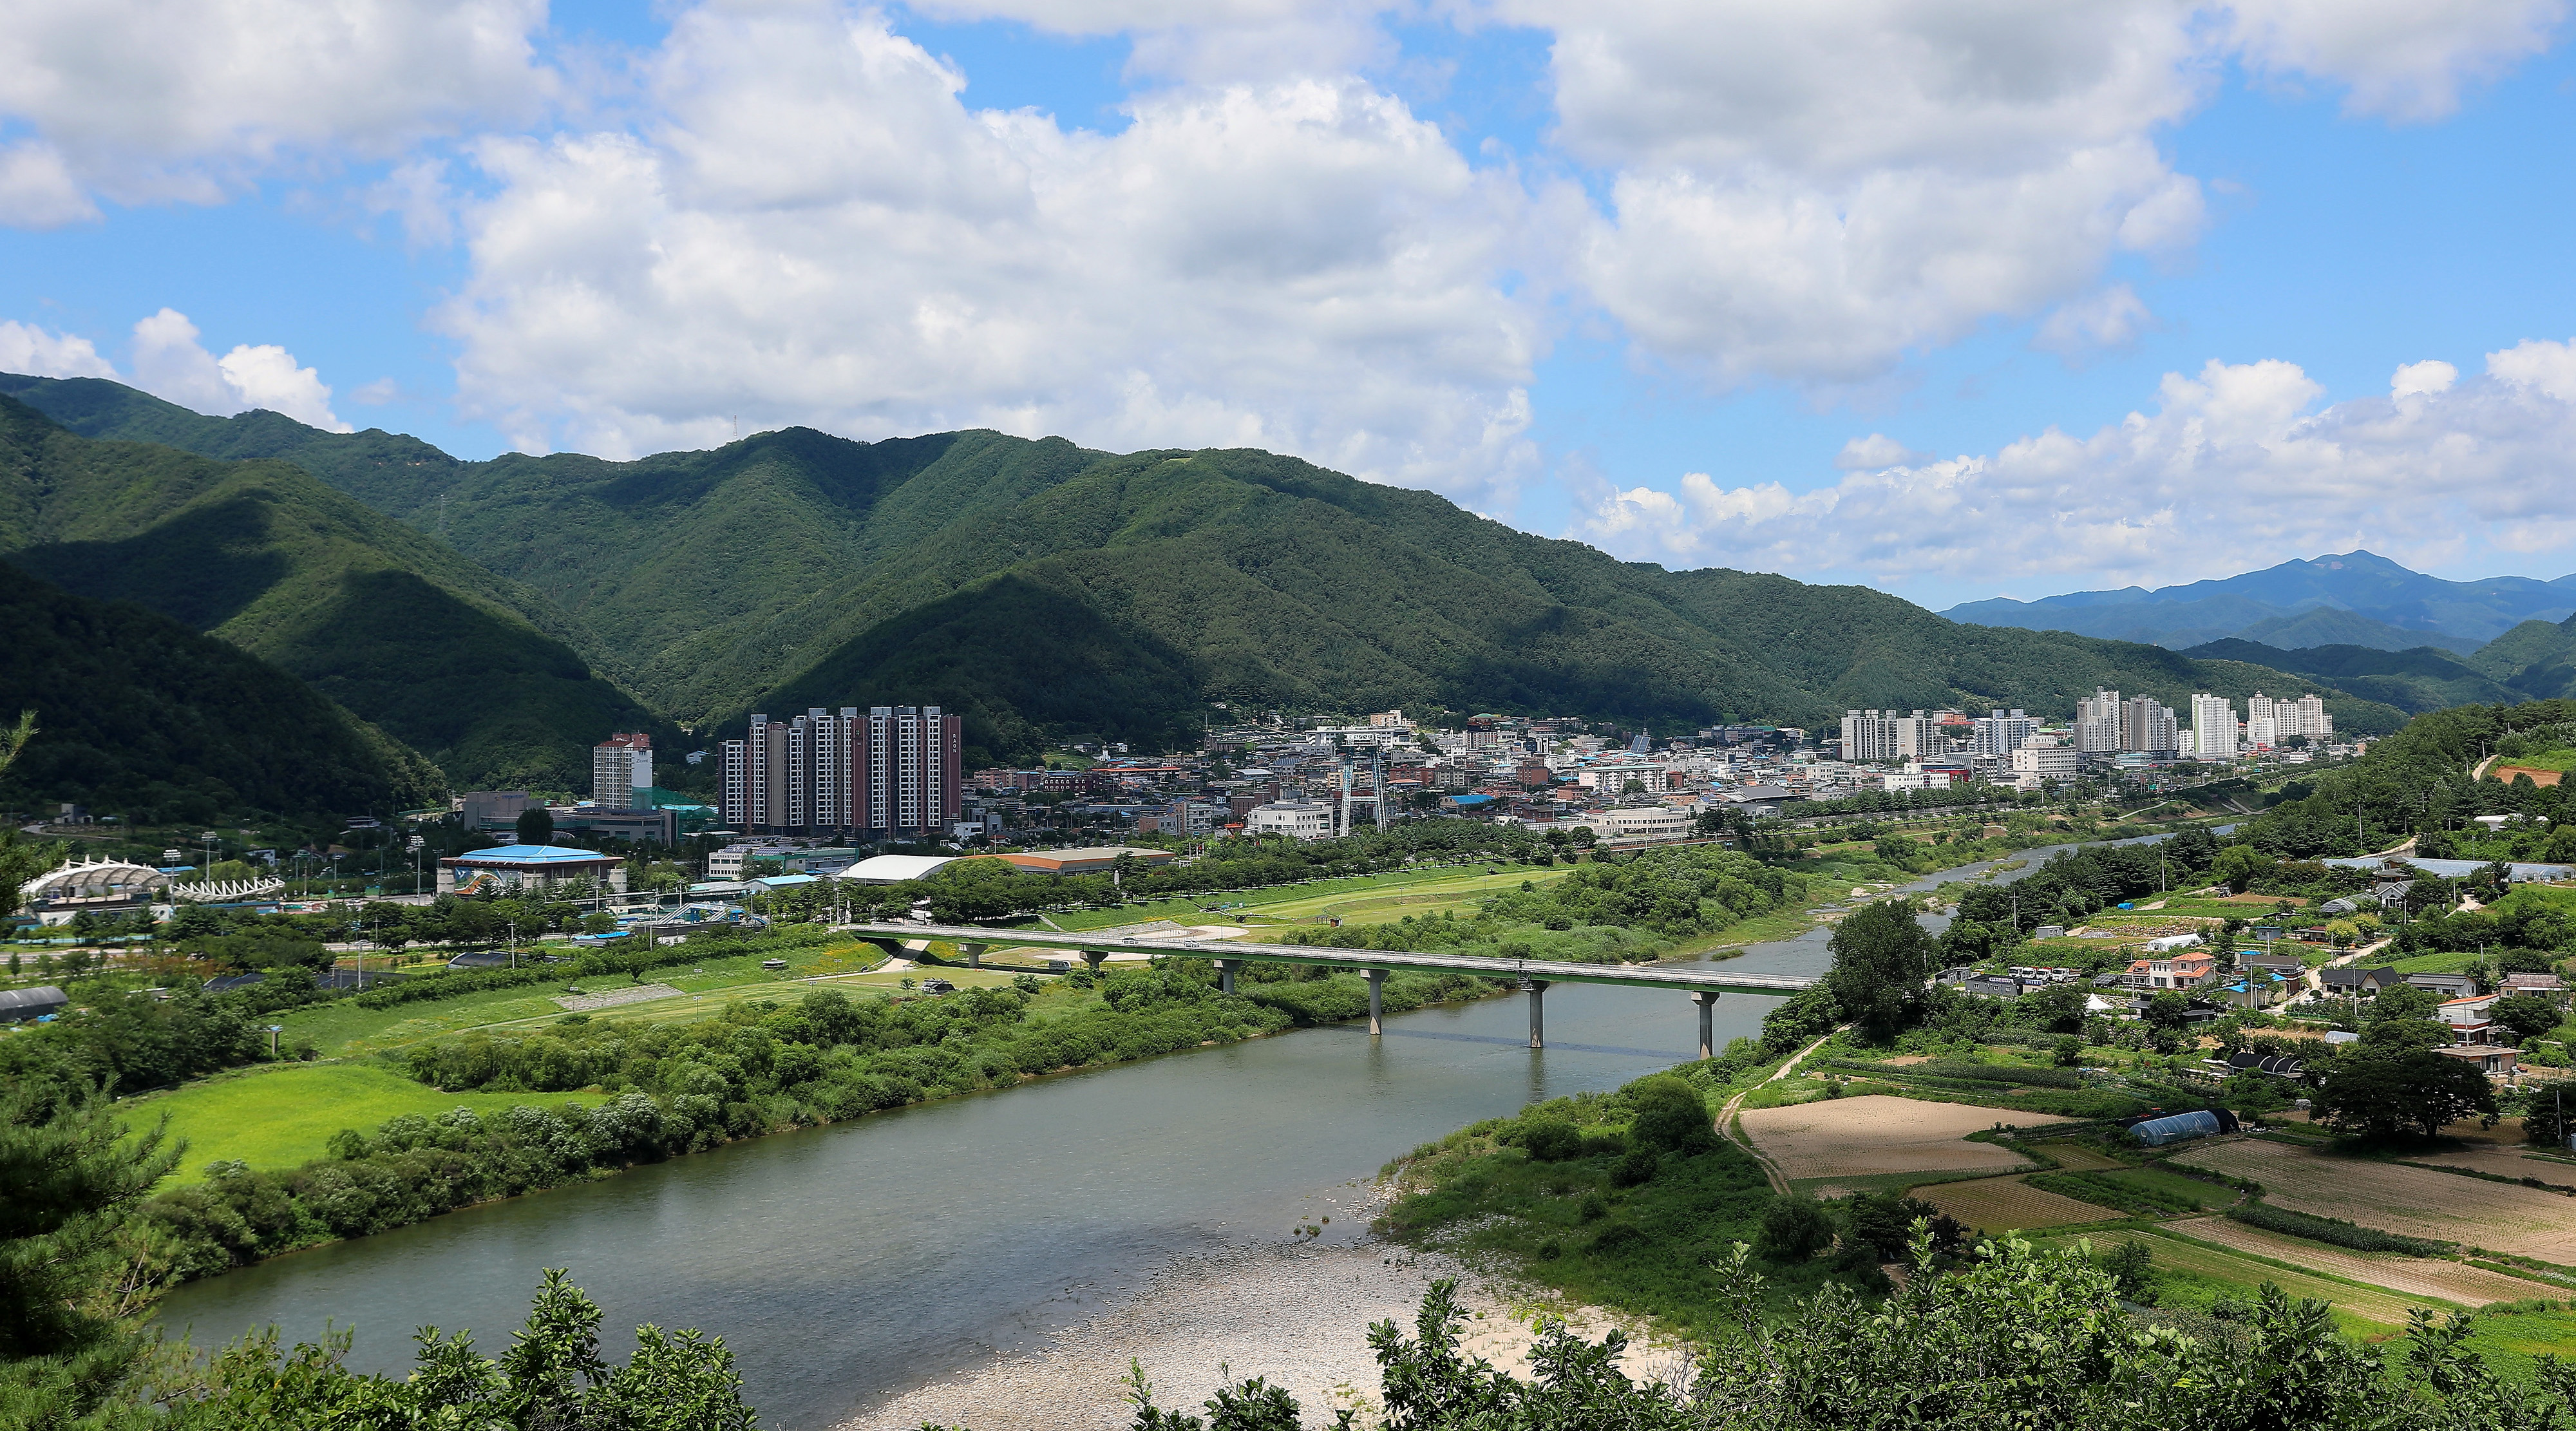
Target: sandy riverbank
1298,1315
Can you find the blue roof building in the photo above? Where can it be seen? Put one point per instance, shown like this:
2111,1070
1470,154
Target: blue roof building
527,867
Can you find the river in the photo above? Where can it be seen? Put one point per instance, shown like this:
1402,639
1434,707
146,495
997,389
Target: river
849,1263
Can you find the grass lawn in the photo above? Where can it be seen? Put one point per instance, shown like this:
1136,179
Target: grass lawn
2438,963
2512,1342
281,1116
343,1029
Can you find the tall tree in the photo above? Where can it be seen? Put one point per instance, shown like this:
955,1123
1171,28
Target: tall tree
65,1185
536,826
1881,958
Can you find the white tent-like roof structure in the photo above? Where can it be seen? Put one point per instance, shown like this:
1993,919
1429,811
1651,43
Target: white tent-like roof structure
96,879
894,869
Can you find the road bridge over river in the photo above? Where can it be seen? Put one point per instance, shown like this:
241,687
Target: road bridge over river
1704,985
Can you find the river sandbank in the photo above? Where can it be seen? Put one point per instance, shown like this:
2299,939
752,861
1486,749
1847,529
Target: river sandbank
1295,1313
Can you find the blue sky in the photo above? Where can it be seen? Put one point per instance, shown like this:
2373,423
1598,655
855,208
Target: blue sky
1423,244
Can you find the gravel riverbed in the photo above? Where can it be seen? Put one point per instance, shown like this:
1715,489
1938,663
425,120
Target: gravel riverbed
1296,1313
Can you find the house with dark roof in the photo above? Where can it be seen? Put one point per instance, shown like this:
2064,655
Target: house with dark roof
2348,980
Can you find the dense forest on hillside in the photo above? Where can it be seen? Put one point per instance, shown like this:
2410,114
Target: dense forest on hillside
145,718
2420,780
1039,587
376,615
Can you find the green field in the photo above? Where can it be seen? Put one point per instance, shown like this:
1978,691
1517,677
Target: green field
2194,1275
343,1029
2562,761
1460,884
282,1116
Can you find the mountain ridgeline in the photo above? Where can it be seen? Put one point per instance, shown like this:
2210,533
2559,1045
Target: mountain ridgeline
2355,598
1038,587
382,618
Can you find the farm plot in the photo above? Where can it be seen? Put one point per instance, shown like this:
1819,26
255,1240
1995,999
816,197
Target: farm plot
2382,1309
2076,1158
1998,1204
2412,1276
2415,1201
1878,1134
2510,1160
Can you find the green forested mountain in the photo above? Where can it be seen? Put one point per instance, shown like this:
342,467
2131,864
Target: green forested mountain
376,615
143,717
1037,585
2537,659
2422,678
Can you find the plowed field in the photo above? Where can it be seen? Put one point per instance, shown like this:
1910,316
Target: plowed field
2416,1201
1878,1134
1998,1204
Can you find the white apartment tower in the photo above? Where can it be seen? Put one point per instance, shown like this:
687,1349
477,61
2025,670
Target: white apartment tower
621,770
2213,727
1889,735
2000,733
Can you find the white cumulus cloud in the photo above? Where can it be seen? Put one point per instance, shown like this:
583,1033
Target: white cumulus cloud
1301,265
35,352
155,100
2235,458
170,363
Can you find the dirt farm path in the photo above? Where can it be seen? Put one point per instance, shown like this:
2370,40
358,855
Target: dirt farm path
1728,1128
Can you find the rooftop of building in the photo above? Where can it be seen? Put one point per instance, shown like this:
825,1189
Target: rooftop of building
535,855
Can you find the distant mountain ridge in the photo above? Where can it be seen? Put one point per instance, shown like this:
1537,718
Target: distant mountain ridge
1042,588
2357,598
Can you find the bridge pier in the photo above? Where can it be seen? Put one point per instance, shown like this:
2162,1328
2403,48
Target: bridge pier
1538,1012
1377,1001
1707,1001
974,954
1095,958
1225,974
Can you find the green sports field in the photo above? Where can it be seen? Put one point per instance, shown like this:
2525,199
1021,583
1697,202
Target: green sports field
283,1116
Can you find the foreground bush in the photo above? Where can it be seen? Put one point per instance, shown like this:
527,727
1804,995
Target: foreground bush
2017,1338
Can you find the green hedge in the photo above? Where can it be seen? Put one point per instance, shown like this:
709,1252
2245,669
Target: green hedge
2334,1230
2108,1190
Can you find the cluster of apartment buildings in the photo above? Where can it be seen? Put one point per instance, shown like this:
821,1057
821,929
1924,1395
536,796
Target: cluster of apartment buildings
2012,747
887,774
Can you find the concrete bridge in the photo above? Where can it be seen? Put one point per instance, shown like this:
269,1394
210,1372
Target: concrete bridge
1532,975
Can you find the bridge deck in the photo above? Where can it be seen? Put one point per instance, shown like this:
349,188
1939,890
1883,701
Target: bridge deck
1545,971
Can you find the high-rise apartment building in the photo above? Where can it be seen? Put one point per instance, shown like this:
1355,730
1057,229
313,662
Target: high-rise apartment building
2148,725
1890,735
2097,723
621,770
892,773
2000,733
2213,727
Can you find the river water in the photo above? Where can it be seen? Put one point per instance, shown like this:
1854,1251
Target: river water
846,1264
